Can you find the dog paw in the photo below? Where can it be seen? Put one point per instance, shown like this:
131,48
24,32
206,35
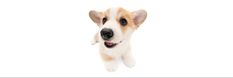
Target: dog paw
111,67
93,42
129,62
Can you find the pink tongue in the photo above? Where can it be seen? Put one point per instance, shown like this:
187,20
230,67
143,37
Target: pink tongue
109,43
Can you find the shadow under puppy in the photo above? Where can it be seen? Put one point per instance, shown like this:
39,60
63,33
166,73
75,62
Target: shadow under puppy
116,27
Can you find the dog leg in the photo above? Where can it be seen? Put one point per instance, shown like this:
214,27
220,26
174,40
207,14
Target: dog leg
111,64
128,59
95,39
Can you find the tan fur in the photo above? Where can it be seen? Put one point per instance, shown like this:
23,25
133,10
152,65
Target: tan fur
106,57
105,14
121,13
128,16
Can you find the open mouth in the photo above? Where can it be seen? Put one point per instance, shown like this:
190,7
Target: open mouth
110,44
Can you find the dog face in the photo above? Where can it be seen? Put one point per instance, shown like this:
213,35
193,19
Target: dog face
116,25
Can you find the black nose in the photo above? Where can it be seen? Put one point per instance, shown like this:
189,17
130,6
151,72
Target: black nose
106,33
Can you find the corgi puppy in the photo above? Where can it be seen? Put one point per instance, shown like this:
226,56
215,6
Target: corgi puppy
116,26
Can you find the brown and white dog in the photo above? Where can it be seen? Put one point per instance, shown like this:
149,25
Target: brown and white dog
116,26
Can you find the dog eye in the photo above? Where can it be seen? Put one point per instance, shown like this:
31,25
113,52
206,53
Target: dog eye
123,21
104,20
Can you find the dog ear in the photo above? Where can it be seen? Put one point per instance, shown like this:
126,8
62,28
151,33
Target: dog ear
95,17
139,17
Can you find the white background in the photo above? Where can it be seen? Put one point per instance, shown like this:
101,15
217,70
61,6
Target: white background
179,38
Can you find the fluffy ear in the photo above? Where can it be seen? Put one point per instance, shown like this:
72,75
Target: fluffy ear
95,17
139,17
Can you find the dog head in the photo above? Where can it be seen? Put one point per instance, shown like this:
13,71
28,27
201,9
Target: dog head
116,25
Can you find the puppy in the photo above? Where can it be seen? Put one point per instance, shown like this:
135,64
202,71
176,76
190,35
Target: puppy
116,27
